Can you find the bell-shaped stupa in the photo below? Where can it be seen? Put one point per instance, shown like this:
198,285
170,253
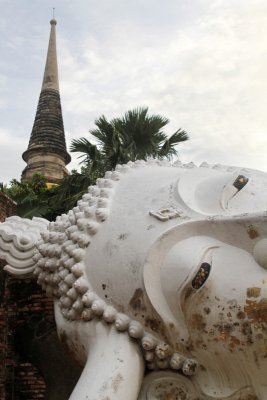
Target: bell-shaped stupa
46,152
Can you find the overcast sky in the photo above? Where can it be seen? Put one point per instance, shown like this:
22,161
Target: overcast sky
201,63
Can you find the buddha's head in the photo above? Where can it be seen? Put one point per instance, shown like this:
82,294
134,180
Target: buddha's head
175,259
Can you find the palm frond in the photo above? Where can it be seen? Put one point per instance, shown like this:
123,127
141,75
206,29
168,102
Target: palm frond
168,149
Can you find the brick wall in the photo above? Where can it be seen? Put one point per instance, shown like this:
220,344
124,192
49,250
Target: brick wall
33,363
21,300
7,207
18,299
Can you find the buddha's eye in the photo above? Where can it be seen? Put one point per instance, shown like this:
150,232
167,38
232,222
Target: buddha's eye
240,182
201,275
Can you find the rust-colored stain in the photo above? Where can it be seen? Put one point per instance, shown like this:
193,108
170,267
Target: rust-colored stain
253,292
188,291
207,310
233,342
252,232
171,391
256,310
225,328
241,315
171,325
197,322
224,335
247,331
199,343
154,324
137,301
190,346
141,307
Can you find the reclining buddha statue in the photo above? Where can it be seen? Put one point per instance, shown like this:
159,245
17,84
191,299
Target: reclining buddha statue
159,280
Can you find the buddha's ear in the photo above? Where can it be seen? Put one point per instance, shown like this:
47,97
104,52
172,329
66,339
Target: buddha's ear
18,238
246,232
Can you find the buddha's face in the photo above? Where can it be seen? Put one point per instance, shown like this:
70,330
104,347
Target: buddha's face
220,293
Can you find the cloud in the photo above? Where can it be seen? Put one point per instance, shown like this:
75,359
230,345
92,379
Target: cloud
208,78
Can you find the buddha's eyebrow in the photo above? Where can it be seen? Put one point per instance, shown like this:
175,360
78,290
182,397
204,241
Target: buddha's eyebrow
232,188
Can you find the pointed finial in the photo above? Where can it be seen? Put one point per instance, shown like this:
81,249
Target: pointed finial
53,20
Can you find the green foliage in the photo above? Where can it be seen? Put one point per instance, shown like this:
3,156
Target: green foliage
32,197
136,135
70,190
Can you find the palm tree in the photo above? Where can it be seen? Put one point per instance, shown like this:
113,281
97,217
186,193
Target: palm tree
137,135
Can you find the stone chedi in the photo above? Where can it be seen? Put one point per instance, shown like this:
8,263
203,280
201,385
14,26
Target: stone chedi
46,152
159,280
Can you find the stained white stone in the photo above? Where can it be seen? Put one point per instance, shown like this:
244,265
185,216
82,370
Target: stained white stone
143,286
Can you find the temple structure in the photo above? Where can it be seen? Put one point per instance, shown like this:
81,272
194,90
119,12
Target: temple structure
46,152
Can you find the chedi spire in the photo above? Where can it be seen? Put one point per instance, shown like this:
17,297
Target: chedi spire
47,153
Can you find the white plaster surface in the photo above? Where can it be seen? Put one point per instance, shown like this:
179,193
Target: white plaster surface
128,269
